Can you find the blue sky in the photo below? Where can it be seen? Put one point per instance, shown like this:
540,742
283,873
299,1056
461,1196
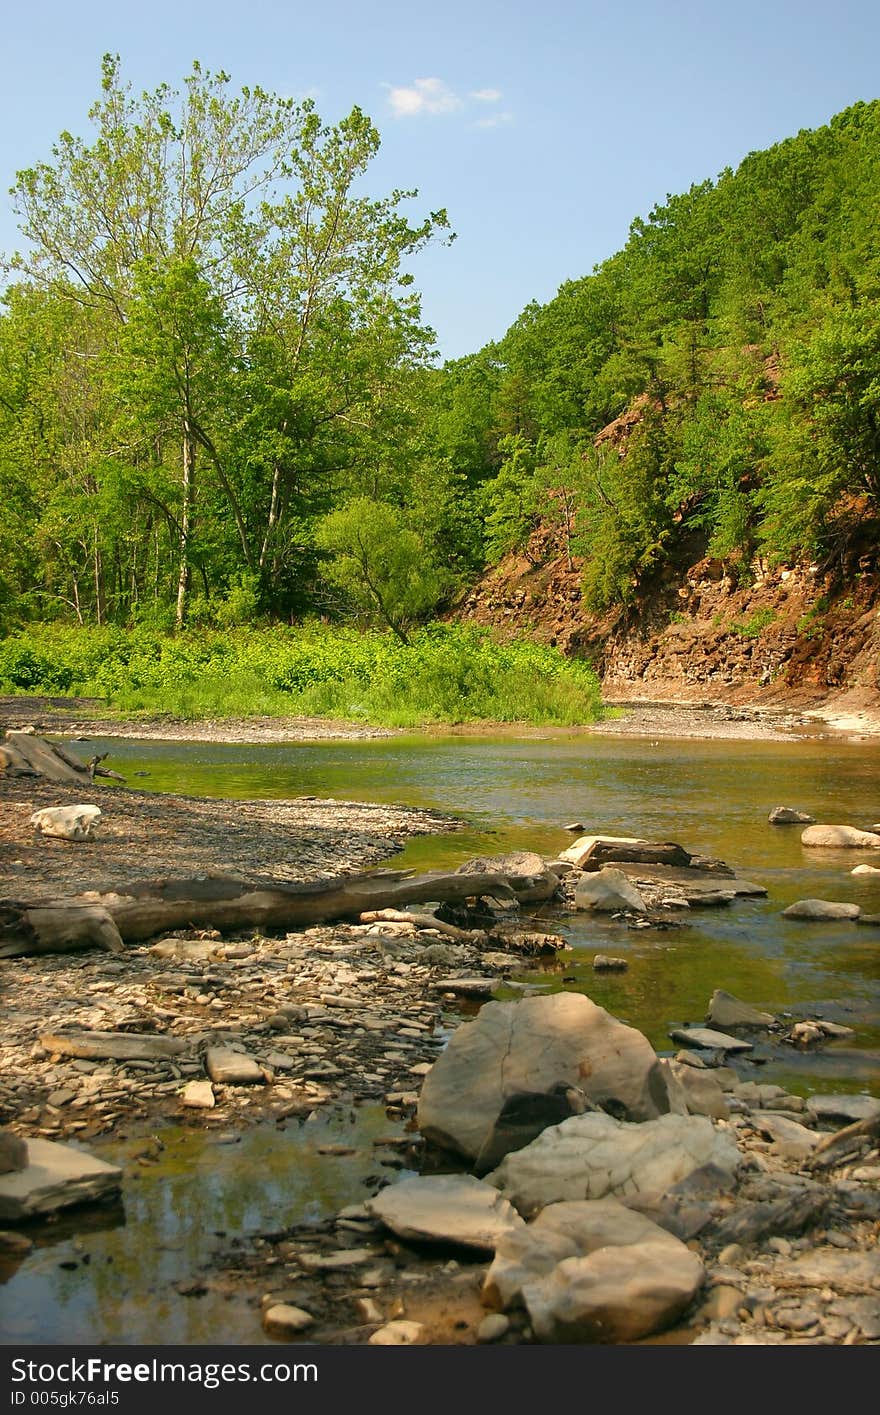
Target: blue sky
543,126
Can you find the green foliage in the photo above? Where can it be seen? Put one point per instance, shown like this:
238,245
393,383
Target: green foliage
754,626
445,673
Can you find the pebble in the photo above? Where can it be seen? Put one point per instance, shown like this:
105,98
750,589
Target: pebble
282,1320
399,1333
493,1328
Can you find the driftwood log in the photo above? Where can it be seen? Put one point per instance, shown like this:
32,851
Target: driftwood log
228,903
26,754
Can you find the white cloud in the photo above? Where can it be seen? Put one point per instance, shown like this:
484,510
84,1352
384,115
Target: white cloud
486,95
423,96
497,120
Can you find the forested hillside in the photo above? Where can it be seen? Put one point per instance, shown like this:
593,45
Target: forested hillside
219,402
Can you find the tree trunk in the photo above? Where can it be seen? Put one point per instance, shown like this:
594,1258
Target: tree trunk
186,519
228,903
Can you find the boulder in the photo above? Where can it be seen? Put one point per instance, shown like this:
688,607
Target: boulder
605,963
446,1208
55,1177
866,870
564,1230
786,815
820,909
232,1068
708,1039
199,1095
791,1139
66,822
703,1095
614,1295
608,892
840,837
560,1046
848,1108
592,852
592,1156
725,1010
13,1152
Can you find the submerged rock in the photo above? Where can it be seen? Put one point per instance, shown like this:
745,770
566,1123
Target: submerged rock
55,1177
786,815
536,1047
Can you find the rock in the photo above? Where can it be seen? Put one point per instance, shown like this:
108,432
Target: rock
723,1301
843,1107
591,1156
828,1267
563,1230
820,909
725,1010
335,1262
492,1328
840,837
608,892
113,1046
399,1333
66,822
13,1152
574,826
832,1029
529,1049
604,963
793,1141
786,815
232,1068
192,950
702,1093
446,1208
55,1177
592,852
708,1039
615,1294
466,987
199,1094
283,1320
805,1033
866,870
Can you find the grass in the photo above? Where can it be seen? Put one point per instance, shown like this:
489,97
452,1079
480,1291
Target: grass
446,674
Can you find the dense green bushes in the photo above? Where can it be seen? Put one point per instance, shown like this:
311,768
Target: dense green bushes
445,673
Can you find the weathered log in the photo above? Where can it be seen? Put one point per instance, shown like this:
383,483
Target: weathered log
229,903
26,754
423,921
115,1046
835,1148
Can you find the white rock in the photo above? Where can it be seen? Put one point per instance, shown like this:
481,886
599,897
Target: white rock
446,1208
66,822
55,1177
492,1328
400,1333
199,1094
820,909
591,1156
840,837
284,1320
866,870
607,892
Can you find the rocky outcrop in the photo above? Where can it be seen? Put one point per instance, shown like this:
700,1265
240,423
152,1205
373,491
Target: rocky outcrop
55,1177
519,1054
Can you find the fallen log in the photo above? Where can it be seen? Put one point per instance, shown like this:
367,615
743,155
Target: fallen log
229,903
26,754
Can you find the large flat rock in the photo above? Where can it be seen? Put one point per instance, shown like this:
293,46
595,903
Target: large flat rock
725,1010
707,1039
821,909
504,1065
446,1208
55,1177
593,1156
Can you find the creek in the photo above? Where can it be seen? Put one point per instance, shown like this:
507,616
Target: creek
111,1276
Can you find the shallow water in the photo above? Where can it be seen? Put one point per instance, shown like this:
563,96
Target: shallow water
711,796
